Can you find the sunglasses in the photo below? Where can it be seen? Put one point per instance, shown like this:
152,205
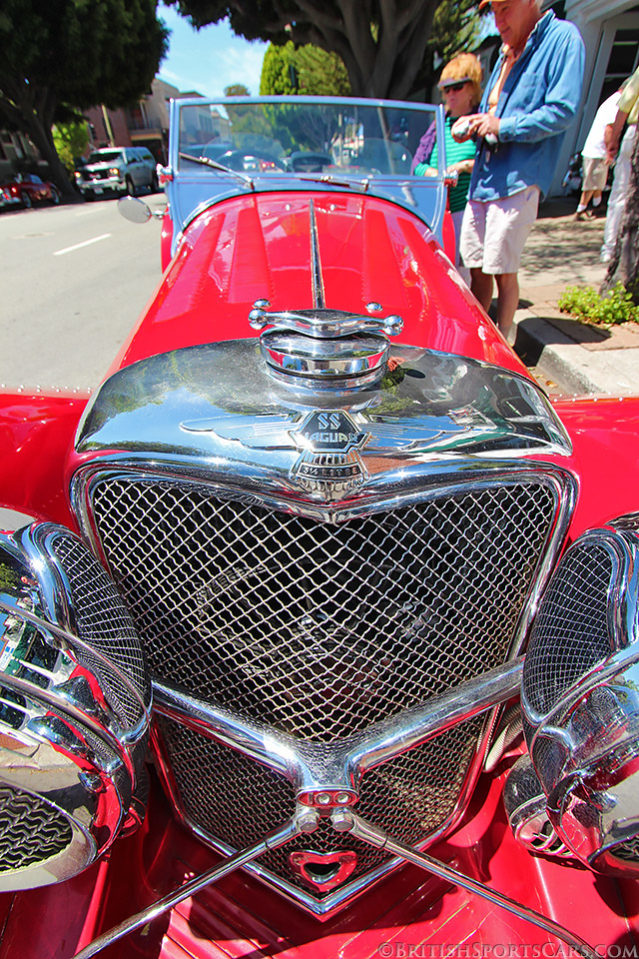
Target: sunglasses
456,87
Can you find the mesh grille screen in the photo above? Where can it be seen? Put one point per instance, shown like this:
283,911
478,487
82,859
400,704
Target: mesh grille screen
571,633
321,629
30,830
104,623
409,796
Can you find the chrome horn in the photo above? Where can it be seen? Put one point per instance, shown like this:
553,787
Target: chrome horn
580,698
74,709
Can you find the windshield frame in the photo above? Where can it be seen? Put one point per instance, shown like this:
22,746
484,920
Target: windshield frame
190,192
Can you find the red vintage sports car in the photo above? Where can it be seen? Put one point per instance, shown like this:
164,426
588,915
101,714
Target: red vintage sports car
28,188
323,641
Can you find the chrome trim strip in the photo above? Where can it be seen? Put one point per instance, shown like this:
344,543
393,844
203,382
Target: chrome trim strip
319,299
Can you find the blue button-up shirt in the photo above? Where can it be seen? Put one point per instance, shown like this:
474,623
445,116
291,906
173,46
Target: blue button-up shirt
538,103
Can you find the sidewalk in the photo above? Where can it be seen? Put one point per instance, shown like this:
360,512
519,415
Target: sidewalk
561,252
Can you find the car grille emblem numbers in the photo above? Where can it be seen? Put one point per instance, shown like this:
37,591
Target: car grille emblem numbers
330,465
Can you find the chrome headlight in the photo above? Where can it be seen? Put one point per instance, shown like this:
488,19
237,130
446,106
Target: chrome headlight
74,709
580,696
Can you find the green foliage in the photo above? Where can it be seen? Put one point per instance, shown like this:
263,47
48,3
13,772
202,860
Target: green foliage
71,140
305,70
85,53
9,581
617,306
455,28
237,90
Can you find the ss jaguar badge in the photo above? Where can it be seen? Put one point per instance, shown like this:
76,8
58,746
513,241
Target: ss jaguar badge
330,466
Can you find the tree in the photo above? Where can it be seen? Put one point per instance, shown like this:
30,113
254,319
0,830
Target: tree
76,52
237,90
624,265
455,29
382,43
70,141
305,70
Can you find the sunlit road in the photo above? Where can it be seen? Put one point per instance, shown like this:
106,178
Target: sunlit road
73,281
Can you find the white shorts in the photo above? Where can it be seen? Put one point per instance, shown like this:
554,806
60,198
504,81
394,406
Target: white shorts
595,174
494,232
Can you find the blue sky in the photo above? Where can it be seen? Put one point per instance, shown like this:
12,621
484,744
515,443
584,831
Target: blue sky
210,59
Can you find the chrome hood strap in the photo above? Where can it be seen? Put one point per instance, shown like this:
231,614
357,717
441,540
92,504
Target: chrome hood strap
345,820
304,821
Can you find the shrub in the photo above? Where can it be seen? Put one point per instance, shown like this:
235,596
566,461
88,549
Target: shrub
586,304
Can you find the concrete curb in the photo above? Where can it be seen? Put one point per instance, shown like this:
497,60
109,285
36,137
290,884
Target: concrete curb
575,369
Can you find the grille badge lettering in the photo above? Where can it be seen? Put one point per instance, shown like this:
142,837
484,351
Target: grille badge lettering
330,466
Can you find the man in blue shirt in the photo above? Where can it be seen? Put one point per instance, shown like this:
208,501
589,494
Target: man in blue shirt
529,102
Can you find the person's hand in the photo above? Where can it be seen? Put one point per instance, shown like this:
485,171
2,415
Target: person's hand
611,143
460,130
484,124
462,166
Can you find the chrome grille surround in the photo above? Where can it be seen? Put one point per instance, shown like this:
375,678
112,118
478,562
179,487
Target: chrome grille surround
284,558
301,729
308,627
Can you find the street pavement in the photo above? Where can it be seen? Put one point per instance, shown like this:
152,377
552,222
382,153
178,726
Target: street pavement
576,358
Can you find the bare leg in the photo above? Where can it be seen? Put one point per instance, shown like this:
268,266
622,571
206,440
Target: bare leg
481,286
507,301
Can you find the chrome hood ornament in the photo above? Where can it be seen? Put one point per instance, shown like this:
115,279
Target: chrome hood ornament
217,408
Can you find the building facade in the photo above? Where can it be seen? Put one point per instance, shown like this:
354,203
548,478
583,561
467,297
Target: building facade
145,124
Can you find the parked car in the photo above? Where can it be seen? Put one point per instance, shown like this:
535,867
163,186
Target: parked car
28,188
7,198
301,571
116,170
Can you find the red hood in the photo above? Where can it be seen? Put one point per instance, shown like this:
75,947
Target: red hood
258,247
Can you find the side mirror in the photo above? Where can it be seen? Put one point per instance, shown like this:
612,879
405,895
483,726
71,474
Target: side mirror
134,210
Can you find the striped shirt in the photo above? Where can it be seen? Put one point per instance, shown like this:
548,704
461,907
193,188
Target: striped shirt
455,152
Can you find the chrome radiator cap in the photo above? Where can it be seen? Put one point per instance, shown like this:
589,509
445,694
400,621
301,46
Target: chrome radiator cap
322,349
580,697
74,709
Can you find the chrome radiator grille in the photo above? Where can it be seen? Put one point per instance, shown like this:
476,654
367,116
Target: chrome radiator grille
321,629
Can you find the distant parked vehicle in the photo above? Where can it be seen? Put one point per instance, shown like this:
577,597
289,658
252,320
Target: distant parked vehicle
27,189
117,170
7,199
